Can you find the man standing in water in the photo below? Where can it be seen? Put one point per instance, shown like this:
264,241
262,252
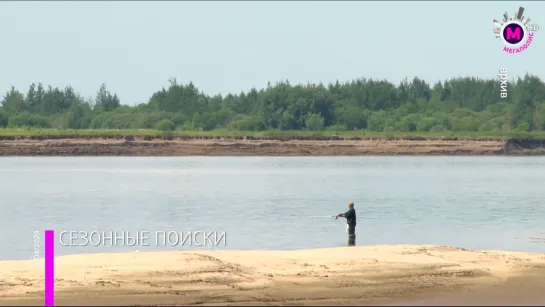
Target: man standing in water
350,216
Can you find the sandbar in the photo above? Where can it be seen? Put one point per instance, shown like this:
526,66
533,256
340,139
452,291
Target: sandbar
363,275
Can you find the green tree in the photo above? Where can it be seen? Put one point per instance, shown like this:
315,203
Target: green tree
315,122
458,104
105,101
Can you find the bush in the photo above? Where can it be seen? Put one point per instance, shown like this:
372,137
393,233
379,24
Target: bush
28,120
437,128
337,128
247,123
315,122
165,125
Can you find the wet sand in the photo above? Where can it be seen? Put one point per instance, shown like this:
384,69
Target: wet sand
218,147
366,275
526,289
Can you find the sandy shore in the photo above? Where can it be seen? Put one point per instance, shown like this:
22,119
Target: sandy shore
199,147
383,275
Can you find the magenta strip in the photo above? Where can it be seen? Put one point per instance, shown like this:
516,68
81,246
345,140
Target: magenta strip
49,268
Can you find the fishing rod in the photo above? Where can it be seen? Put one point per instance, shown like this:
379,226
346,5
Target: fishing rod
333,216
531,239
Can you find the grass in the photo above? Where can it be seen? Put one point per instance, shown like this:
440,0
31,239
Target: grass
70,133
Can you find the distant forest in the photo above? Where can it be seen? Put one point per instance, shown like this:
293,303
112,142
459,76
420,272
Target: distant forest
460,104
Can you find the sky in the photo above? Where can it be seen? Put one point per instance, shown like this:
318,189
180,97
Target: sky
229,47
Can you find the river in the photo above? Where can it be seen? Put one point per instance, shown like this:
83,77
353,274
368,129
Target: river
279,203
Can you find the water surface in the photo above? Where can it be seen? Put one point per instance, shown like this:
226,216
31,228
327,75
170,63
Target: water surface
274,202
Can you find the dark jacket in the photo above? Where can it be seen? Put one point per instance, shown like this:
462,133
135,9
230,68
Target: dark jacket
350,216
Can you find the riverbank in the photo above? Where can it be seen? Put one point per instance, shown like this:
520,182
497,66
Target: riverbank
339,276
54,142
198,146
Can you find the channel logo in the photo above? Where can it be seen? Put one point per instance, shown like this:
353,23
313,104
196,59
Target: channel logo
515,32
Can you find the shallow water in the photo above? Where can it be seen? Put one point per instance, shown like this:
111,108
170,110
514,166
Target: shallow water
273,202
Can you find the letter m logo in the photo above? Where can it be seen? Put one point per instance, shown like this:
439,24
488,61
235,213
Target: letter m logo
511,34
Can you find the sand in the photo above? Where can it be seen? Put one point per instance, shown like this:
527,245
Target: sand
366,275
210,147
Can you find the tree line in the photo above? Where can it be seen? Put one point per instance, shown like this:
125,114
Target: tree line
460,104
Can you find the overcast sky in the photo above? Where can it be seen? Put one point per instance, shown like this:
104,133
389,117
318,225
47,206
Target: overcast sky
135,47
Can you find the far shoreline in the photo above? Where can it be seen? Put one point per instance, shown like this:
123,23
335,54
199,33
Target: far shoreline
211,145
